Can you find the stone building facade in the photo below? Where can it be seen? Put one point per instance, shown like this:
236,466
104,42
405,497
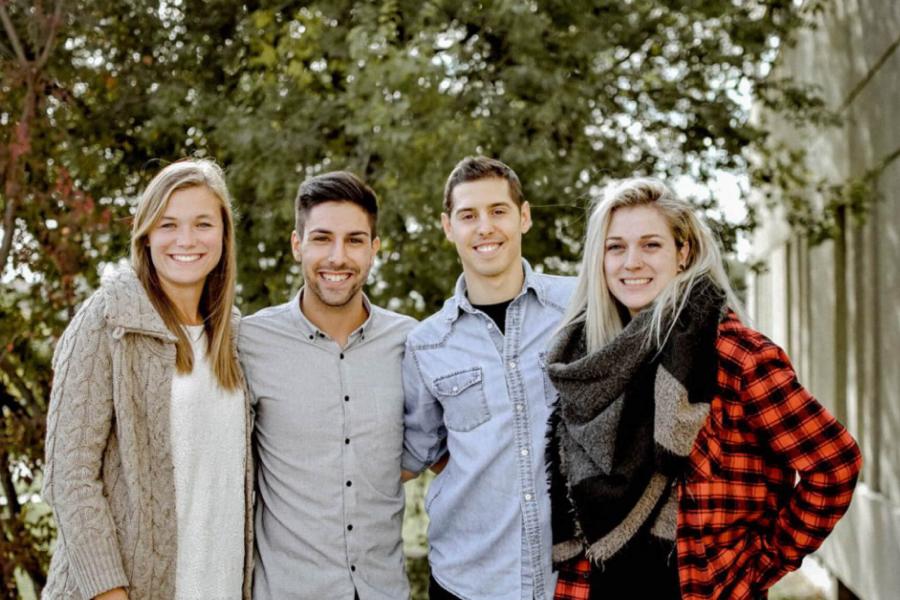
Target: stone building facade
835,306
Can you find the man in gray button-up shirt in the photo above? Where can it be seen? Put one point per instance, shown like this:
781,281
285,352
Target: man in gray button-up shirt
324,372
476,386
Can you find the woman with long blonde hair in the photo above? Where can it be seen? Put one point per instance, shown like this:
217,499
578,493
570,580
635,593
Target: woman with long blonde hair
686,460
148,463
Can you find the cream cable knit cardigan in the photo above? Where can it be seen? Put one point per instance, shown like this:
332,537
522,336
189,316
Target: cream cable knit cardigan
108,473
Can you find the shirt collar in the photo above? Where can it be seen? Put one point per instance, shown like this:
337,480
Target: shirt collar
460,301
314,334
130,308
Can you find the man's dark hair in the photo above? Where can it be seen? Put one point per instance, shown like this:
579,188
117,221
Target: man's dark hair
473,168
337,186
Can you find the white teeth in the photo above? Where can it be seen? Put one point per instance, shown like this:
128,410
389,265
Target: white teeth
640,281
185,257
487,248
335,278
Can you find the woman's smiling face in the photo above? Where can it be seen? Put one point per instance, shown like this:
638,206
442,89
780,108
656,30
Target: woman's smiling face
186,243
640,256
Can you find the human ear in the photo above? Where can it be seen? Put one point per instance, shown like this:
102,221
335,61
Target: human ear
295,246
683,253
525,211
445,223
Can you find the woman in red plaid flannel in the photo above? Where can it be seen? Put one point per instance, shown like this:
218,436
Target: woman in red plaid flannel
686,459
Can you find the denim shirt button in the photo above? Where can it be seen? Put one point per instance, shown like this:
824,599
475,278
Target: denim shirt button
528,497
519,407
512,364
524,452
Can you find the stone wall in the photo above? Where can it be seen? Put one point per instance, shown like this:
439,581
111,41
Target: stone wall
835,307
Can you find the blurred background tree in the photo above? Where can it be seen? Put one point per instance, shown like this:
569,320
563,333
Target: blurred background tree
96,96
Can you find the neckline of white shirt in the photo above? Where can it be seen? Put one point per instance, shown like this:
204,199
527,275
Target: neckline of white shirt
194,332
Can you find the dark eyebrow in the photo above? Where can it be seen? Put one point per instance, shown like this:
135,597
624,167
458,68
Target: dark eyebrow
643,237
320,230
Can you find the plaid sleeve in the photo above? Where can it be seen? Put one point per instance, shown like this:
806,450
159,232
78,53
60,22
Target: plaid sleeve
799,431
574,580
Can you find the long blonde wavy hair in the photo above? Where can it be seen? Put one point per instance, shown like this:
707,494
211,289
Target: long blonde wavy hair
592,302
217,299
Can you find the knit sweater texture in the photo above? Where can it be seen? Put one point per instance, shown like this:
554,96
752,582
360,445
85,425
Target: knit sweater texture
109,474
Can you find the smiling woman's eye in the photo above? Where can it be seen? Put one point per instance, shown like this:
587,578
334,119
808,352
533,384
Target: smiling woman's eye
614,247
166,225
653,245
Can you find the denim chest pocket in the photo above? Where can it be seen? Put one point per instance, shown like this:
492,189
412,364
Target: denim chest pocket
462,396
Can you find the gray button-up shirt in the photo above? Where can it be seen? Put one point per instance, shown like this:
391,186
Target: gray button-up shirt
486,398
329,435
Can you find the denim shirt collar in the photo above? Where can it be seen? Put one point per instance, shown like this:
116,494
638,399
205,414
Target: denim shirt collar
460,300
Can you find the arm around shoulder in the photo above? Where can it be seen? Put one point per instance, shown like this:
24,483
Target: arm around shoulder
78,428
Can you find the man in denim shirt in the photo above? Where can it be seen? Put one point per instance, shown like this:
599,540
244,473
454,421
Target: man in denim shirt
476,385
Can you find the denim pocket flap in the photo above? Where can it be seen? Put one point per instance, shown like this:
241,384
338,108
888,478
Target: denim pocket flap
456,383
461,395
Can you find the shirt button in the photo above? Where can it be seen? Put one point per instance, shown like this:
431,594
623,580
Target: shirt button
346,398
524,452
349,483
349,527
346,440
490,325
519,407
528,497
455,388
352,567
512,364
342,356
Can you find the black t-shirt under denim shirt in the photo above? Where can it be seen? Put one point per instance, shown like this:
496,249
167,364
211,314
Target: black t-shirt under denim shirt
497,313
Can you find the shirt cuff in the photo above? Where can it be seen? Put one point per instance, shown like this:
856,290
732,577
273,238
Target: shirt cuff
769,568
408,462
98,569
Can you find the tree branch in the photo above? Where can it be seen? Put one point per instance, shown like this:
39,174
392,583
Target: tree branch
9,487
9,217
6,50
55,20
13,36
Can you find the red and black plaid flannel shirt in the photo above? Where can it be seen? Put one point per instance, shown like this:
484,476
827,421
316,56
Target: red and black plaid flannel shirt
742,521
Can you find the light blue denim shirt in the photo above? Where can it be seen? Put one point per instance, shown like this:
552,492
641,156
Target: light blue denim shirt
486,398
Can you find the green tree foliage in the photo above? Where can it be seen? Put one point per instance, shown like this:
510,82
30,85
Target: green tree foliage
95,96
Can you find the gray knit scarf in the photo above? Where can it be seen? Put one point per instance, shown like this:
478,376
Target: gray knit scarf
627,419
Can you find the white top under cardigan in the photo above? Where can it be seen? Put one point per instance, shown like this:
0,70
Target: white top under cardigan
208,450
